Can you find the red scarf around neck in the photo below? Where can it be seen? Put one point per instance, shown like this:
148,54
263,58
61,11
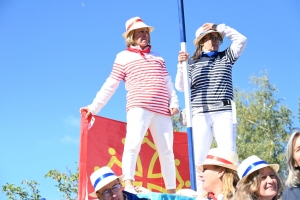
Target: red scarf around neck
145,50
211,196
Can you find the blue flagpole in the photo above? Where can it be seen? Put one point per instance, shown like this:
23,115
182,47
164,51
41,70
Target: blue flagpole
187,97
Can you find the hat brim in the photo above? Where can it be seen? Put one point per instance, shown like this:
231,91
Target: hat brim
233,167
273,166
93,194
149,27
198,39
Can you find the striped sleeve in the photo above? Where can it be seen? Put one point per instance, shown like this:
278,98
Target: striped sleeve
239,41
118,72
161,62
230,55
164,68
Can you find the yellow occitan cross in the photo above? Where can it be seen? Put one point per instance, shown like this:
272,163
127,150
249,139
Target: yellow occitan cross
115,161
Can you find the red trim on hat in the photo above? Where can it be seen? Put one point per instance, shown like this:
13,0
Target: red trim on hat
137,20
219,159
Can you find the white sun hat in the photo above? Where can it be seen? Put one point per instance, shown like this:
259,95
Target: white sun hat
220,157
135,23
251,164
101,177
200,33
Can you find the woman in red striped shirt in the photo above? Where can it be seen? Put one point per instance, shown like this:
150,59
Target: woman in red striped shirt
151,101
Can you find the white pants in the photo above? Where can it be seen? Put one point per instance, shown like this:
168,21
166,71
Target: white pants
206,126
138,121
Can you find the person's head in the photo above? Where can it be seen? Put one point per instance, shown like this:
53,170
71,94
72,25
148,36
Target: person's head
206,41
218,172
137,32
293,159
106,184
258,180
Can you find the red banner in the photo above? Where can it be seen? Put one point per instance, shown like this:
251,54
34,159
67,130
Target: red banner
102,143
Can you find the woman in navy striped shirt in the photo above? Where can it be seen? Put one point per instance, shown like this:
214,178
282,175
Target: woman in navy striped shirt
210,76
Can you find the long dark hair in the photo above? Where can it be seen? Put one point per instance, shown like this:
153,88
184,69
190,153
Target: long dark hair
198,50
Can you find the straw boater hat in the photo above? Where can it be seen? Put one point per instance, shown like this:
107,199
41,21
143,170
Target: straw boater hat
251,164
200,33
135,23
102,177
220,157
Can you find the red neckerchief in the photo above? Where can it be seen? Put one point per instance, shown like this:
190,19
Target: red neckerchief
145,50
211,196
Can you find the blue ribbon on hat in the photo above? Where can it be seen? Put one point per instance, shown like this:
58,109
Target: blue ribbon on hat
102,177
252,166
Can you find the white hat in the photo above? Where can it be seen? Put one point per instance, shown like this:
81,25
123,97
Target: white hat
101,177
135,23
251,164
220,157
200,33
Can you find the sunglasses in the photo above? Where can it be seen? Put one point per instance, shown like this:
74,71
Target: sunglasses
114,189
213,38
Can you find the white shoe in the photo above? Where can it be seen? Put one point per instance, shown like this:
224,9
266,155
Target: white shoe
130,189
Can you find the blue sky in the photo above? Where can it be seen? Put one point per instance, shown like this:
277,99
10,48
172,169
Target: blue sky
55,55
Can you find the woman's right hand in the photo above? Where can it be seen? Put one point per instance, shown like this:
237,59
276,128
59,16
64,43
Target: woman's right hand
87,110
182,56
209,26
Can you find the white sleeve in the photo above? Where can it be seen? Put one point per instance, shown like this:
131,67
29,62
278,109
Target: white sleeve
239,41
179,85
104,94
173,102
179,78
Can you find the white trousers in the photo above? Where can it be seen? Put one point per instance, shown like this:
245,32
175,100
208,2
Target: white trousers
206,126
138,121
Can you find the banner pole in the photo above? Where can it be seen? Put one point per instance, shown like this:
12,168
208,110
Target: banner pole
187,97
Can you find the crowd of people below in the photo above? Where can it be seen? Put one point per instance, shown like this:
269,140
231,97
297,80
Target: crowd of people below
222,177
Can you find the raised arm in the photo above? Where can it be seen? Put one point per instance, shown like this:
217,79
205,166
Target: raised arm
239,41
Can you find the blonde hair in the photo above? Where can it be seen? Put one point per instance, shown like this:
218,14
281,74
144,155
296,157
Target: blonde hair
129,39
229,181
294,174
251,185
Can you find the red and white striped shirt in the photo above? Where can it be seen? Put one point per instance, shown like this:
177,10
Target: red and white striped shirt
144,79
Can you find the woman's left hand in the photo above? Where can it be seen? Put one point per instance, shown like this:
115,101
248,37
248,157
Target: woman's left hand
174,111
209,26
